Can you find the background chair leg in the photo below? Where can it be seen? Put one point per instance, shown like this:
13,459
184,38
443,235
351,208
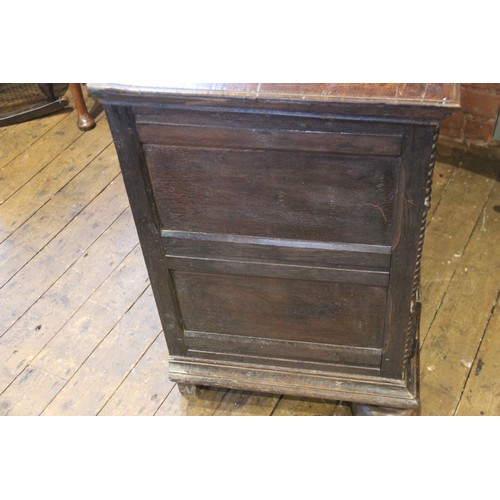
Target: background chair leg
85,121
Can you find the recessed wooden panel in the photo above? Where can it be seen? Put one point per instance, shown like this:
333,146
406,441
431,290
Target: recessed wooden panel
310,311
297,196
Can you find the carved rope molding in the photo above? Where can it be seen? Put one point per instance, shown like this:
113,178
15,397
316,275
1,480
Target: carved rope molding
411,338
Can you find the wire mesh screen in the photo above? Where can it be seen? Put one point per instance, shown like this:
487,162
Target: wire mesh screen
17,98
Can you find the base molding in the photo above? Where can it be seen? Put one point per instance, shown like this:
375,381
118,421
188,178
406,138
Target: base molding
368,390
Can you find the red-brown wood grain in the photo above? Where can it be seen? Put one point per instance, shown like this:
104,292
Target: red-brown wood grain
445,94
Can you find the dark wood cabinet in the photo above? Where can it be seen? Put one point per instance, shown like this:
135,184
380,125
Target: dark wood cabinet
282,226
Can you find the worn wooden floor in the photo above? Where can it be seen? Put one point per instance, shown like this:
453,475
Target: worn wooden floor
79,332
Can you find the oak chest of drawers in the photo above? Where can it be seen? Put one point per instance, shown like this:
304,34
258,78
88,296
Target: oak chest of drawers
282,226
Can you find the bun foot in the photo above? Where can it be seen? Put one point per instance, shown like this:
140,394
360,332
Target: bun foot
362,410
187,389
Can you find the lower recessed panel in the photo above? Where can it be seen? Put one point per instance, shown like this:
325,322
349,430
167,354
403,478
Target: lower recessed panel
312,311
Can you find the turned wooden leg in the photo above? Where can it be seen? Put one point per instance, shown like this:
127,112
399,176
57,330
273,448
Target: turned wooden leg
85,121
362,410
187,389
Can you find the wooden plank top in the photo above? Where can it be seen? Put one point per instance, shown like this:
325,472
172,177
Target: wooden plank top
420,94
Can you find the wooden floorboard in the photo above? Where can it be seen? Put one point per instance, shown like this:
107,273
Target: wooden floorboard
4,130
145,387
454,337
50,135
75,342
113,255
447,235
44,225
104,369
204,403
443,174
18,138
482,391
79,330
47,266
25,166
19,207
84,332
289,406
245,403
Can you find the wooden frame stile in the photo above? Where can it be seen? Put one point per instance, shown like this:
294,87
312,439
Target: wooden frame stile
406,250
139,190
